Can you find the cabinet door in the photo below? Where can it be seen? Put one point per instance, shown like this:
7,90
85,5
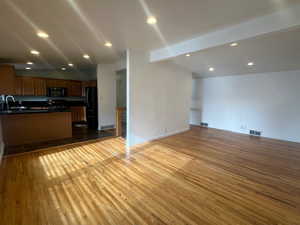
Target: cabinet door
40,87
78,113
7,80
75,88
52,83
28,86
61,83
91,83
19,86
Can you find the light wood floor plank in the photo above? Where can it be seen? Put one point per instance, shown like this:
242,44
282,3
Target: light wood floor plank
203,176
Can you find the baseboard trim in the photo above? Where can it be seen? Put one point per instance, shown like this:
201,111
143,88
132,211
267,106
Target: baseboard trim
107,127
246,134
169,134
158,137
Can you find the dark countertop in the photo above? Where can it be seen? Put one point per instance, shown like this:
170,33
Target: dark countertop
31,111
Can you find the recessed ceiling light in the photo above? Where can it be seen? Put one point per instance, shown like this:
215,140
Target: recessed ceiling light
63,68
86,56
29,63
108,44
34,52
211,69
42,34
28,68
151,20
234,44
71,64
250,63
188,55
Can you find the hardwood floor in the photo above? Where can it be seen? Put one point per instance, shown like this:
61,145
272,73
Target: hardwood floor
203,176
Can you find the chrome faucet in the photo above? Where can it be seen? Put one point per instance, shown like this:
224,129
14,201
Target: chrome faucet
6,100
2,102
2,97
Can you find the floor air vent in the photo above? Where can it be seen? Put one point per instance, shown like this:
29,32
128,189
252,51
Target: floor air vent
204,124
255,133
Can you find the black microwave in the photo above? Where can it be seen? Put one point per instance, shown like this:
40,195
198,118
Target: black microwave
56,92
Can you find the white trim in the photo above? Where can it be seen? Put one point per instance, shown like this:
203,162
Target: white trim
169,134
158,137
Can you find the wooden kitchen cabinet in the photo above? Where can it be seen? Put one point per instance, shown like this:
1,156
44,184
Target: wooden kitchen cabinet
27,86
75,88
19,86
91,83
57,83
40,87
51,83
7,79
28,128
32,86
37,86
78,113
10,84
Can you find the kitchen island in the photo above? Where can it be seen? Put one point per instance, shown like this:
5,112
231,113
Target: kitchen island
33,126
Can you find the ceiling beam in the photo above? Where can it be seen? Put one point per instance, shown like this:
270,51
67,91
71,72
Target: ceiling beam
278,21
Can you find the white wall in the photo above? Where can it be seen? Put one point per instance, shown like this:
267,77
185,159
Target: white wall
196,104
265,102
106,78
107,93
158,102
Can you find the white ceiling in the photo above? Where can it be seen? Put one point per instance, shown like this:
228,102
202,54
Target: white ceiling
271,53
76,27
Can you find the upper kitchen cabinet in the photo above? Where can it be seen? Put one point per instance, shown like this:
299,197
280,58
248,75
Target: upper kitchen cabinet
91,83
7,79
40,87
19,86
30,86
75,88
57,83
36,86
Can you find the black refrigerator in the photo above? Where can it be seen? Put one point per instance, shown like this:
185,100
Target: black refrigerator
91,107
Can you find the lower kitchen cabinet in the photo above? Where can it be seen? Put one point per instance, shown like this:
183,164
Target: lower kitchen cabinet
78,113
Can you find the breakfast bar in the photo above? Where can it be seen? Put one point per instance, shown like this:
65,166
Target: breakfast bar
32,126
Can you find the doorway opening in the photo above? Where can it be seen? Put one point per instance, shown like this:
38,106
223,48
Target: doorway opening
121,88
